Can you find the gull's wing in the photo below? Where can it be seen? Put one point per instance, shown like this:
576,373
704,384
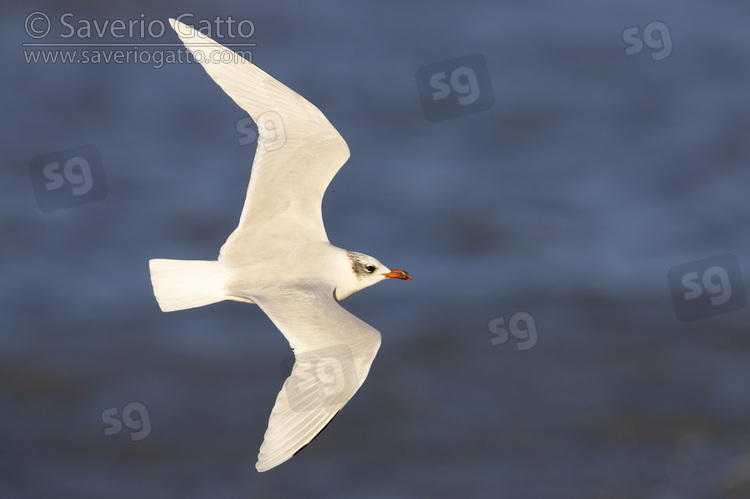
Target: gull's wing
297,155
333,352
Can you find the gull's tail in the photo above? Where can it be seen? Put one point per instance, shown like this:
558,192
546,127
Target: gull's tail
181,284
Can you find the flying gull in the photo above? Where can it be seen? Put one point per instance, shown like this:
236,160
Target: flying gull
279,256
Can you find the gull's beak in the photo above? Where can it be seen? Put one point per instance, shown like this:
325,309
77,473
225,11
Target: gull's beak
398,274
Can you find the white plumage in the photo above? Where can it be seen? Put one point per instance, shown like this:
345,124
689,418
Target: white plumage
279,256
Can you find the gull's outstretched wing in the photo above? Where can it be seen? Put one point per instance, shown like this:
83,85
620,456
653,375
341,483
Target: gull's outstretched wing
297,155
333,352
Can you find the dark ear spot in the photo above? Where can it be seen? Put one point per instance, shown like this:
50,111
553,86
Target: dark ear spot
359,268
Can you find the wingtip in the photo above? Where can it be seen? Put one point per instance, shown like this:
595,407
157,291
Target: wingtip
263,466
183,30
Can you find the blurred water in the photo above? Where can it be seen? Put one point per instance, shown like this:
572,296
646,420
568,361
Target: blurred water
592,175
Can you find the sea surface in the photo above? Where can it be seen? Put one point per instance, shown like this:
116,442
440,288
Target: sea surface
579,242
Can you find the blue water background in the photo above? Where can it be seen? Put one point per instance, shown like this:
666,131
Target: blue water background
592,175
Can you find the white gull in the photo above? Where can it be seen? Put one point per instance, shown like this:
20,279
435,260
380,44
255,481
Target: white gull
279,256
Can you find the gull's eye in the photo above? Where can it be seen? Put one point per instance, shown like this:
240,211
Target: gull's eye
370,268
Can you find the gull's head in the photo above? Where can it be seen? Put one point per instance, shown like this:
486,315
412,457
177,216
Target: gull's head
364,271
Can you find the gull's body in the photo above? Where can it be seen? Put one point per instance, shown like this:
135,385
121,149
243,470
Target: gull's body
279,256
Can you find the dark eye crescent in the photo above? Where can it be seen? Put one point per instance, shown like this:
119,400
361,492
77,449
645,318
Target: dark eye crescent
370,268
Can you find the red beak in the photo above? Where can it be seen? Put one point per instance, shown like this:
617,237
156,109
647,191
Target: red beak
398,274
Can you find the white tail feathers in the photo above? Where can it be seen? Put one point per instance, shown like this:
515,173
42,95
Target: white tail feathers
181,284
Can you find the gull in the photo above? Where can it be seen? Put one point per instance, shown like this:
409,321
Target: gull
279,256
